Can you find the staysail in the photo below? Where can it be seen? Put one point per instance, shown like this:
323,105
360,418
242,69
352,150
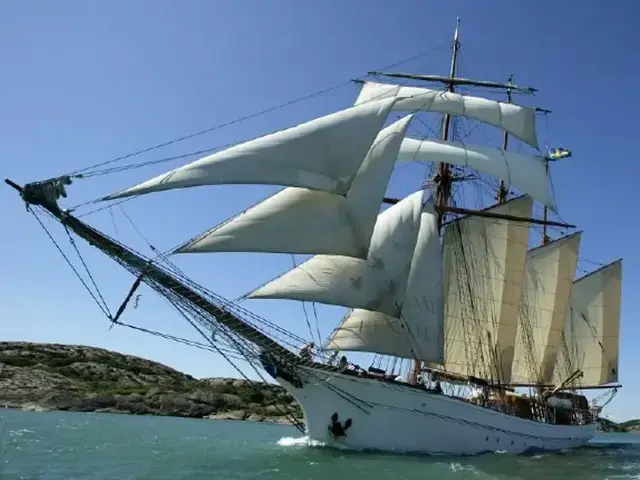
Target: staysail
546,296
591,332
322,154
395,292
316,222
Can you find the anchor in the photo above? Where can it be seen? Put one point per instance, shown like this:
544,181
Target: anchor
336,428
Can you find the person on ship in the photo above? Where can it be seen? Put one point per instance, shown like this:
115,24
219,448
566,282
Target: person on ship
424,380
343,364
305,352
332,359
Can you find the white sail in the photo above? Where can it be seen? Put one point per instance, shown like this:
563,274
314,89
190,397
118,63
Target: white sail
417,331
526,172
322,154
516,120
377,283
315,222
484,268
399,284
591,331
546,296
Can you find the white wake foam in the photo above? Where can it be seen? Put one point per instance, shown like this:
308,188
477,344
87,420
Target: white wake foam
299,442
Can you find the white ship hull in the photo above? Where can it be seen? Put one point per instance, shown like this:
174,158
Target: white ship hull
389,416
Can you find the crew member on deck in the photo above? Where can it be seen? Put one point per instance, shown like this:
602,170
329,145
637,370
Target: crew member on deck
305,352
332,359
343,363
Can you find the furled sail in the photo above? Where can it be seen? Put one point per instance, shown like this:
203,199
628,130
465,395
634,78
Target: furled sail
516,120
592,328
315,222
483,262
398,286
546,297
526,172
322,154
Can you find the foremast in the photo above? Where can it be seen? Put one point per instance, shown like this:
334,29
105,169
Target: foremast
443,179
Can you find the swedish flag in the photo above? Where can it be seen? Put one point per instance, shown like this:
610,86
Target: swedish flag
559,153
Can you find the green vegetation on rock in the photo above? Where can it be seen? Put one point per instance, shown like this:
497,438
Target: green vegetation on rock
605,425
630,425
71,377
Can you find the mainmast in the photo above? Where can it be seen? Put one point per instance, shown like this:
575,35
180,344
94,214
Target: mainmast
443,178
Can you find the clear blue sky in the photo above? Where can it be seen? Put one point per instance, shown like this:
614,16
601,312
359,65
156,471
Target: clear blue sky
84,82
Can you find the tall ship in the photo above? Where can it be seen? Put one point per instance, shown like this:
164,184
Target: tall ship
478,332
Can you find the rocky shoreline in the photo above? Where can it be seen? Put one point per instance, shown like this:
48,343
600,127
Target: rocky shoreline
42,377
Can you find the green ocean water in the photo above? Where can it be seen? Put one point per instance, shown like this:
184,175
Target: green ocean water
60,445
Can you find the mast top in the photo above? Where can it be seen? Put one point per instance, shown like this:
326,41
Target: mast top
452,80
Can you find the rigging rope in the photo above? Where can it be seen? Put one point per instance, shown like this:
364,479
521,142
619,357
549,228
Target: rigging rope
86,269
102,307
81,172
132,166
315,316
304,309
182,309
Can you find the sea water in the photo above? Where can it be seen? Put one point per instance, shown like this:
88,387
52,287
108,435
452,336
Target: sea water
85,446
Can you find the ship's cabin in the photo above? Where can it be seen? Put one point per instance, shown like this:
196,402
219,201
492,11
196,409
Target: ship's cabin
559,408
